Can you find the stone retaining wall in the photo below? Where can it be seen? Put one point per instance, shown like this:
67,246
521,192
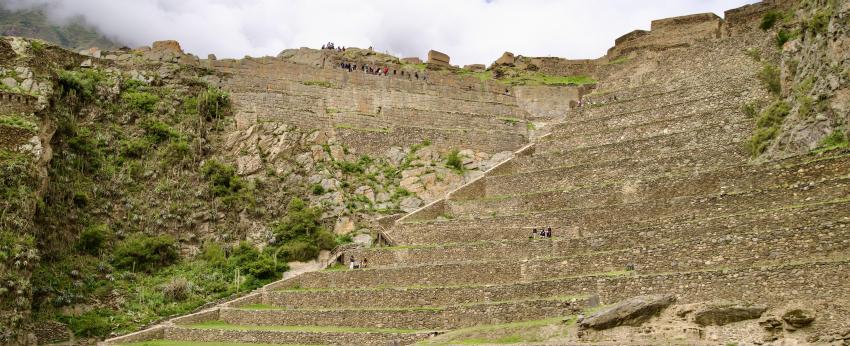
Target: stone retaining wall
292,337
421,318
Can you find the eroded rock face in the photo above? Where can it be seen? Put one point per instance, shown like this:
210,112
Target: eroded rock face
630,312
722,313
798,318
507,58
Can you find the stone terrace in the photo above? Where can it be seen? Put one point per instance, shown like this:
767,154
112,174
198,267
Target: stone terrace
649,188
371,112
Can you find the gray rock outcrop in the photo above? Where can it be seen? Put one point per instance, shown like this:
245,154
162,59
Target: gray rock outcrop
630,312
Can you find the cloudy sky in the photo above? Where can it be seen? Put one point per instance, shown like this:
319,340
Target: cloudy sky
470,31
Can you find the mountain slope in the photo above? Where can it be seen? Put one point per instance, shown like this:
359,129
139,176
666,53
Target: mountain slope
34,24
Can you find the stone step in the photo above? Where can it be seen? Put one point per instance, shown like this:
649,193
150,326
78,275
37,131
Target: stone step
789,244
507,182
666,121
766,282
548,156
293,335
517,245
733,90
417,318
667,186
639,214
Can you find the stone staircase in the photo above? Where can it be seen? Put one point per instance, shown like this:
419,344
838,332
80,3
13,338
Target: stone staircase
650,190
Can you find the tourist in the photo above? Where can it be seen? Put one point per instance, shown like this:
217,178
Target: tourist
351,263
365,262
416,74
386,70
549,232
533,233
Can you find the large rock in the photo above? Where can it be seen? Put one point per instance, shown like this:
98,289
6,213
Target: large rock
475,67
630,312
722,313
438,58
798,318
167,46
10,82
412,60
507,58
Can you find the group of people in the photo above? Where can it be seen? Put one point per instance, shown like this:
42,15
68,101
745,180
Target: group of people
353,263
330,45
380,71
544,233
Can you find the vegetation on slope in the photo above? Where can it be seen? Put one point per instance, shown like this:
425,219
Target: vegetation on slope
34,24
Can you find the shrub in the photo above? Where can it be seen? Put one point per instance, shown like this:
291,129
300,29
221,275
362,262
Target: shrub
784,36
140,100
222,178
177,290
213,103
820,21
134,148
146,253
256,264
454,161
767,126
37,47
769,20
350,167
836,140
298,250
213,254
769,76
93,238
158,131
81,85
317,189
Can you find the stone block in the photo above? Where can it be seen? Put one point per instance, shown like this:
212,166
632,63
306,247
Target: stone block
507,58
438,58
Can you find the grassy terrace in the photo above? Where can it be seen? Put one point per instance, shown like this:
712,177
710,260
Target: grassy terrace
200,343
264,307
219,325
519,77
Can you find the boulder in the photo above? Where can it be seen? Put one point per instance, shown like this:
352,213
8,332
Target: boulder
438,58
10,82
475,67
410,204
722,313
170,46
630,312
507,58
412,60
798,318
344,225
211,57
364,240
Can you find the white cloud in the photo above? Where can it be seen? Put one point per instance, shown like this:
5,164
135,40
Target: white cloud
470,31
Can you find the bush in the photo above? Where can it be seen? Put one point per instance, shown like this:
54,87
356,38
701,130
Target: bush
769,76
93,238
222,178
769,20
784,36
301,234
158,131
146,253
213,254
767,127
454,161
317,189
820,21
258,265
213,103
177,290
140,100
134,148
82,85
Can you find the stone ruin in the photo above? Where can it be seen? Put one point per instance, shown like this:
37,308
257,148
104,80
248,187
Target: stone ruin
438,58
648,188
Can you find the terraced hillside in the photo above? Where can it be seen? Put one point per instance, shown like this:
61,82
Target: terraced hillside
650,188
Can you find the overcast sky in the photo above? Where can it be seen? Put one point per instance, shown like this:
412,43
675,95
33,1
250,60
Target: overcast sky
470,31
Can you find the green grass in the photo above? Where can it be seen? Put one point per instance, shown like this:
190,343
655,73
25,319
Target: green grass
315,329
198,343
836,140
538,78
507,333
510,120
18,122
